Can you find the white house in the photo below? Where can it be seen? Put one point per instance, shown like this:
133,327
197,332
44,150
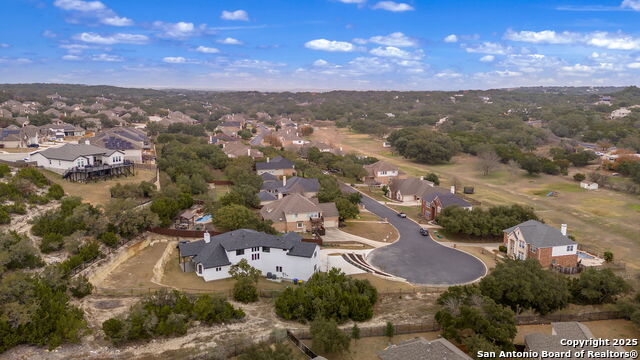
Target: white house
285,256
589,185
75,155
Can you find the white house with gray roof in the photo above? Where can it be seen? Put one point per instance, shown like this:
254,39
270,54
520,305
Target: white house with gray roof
285,256
70,156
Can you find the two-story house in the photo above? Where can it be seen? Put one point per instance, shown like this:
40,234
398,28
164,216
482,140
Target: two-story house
70,156
435,199
535,240
278,166
285,256
300,214
410,189
381,173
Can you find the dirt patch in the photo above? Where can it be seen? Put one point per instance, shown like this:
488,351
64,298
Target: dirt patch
377,231
137,271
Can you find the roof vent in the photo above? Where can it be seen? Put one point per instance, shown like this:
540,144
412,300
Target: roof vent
207,237
563,229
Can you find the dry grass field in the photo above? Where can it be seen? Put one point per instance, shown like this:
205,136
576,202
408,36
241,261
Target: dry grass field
372,230
602,219
97,193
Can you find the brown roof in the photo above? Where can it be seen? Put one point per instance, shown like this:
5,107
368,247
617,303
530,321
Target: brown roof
240,149
410,186
291,204
378,166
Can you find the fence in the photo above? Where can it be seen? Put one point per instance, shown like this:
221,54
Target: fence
141,291
590,316
300,345
145,166
182,233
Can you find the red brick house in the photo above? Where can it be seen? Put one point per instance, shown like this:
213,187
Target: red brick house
535,240
436,199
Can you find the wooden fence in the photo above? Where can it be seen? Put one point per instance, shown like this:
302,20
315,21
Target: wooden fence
146,166
300,345
182,233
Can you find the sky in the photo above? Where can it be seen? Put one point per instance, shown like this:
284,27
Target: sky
275,45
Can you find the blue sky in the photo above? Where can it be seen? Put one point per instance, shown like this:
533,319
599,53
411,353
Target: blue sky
321,44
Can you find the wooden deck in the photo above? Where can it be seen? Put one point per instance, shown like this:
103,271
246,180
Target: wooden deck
99,172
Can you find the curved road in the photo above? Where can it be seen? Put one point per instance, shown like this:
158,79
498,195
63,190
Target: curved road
419,259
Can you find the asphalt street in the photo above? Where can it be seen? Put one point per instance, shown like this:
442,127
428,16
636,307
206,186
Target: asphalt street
419,259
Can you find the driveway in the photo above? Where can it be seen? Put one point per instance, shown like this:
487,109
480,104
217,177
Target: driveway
419,259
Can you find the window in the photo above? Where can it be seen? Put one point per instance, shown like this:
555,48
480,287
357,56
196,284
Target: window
254,249
570,248
199,268
49,162
300,224
278,268
266,249
314,254
240,252
218,269
255,256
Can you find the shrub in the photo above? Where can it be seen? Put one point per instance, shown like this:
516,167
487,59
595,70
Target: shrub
4,170
33,175
55,192
502,249
51,242
245,291
389,330
608,256
355,332
4,216
80,287
579,177
597,287
109,238
332,295
114,329
327,337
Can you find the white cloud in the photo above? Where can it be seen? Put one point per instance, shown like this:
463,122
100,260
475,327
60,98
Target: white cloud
393,6
230,41
119,38
353,1
451,38
391,51
320,63
631,4
2,45
541,37
207,50
238,15
617,41
107,58
328,45
79,5
175,60
489,48
487,58
635,65
578,68
49,34
179,30
69,57
117,21
396,39
92,9
448,74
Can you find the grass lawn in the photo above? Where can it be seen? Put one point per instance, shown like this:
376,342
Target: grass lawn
368,216
18,150
220,190
97,193
487,257
412,211
375,193
372,230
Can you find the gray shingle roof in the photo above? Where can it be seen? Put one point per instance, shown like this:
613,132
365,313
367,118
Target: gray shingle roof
274,164
71,152
214,253
300,185
265,196
421,349
448,199
564,330
541,235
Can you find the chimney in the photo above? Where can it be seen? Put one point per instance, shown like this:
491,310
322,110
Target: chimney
268,159
223,144
453,189
284,180
207,237
248,152
563,229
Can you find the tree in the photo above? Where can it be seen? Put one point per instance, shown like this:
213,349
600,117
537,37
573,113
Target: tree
597,287
346,208
306,130
55,192
389,330
246,278
327,338
523,285
482,223
579,177
264,351
233,217
80,286
488,161
467,316
531,163
433,177
608,256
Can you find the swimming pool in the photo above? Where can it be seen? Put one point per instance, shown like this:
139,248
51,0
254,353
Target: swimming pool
584,255
203,219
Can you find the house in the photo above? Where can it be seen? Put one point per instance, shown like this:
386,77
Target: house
70,156
381,173
300,214
230,128
285,256
10,137
29,135
290,138
421,349
557,342
436,199
237,149
4,113
589,185
409,189
131,141
266,197
307,187
278,166
548,245
60,130
176,117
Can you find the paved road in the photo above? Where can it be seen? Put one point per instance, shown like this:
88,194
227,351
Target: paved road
262,132
419,259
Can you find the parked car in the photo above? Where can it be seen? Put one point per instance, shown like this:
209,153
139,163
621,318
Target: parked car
402,215
424,232
33,145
